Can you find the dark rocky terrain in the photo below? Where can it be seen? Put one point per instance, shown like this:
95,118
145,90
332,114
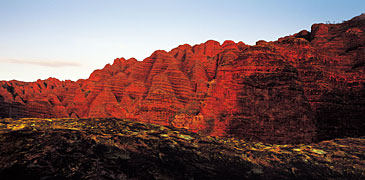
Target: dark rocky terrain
111,148
301,88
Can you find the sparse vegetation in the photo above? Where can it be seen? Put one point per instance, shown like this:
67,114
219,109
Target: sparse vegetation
34,148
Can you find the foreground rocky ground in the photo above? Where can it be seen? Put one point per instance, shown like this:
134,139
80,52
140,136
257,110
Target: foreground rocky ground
117,149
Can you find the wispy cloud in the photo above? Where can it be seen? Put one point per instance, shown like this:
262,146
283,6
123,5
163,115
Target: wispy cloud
41,62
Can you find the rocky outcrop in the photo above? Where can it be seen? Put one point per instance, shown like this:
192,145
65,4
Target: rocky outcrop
301,88
112,148
269,99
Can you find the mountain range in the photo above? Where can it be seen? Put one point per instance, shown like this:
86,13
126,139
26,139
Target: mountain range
301,88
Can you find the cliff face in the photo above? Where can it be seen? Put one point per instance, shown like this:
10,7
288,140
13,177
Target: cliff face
301,87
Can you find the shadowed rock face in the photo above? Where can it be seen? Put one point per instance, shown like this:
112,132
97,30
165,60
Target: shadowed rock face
300,88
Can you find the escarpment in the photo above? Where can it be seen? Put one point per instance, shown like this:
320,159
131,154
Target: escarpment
301,88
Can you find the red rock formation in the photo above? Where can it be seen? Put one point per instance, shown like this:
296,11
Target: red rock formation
106,105
301,87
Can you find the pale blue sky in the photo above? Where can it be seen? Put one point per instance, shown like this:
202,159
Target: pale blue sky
68,39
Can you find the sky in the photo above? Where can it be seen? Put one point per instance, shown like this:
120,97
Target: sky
68,39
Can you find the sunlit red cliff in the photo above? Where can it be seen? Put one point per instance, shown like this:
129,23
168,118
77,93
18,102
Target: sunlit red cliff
301,88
